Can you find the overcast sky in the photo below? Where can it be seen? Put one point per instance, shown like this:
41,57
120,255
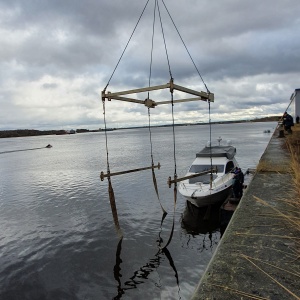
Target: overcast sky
57,56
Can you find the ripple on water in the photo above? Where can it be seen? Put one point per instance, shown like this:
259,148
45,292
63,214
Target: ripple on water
58,239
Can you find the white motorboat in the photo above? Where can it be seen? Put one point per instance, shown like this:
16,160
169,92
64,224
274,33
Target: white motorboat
210,187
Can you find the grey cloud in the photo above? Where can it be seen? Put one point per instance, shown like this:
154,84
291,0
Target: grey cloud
248,53
49,85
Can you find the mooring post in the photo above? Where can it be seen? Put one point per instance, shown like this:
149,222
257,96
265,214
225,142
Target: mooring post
281,130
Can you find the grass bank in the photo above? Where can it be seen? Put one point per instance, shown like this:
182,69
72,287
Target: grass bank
290,215
293,145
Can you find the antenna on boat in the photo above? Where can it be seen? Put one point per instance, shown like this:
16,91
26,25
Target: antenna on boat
219,140
210,153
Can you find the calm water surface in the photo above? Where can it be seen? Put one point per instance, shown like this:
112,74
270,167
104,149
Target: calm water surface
58,239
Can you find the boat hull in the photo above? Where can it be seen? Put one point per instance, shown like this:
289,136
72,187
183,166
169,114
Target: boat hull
210,177
214,198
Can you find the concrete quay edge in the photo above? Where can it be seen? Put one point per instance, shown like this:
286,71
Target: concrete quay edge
257,255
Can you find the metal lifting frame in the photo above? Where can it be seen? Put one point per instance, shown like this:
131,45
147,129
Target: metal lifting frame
151,103
203,96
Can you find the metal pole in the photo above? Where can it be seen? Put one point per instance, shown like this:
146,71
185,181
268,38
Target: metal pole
102,175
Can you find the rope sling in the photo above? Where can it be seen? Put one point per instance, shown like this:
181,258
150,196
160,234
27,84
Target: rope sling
123,96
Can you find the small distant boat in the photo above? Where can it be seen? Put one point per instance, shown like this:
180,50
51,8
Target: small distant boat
49,146
211,187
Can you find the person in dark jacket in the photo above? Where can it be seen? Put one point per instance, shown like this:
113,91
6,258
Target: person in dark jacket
288,122
241,179
237,183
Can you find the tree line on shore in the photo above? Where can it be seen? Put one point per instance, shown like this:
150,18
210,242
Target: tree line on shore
33,132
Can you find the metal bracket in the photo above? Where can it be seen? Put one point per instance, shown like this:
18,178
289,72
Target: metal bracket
150,103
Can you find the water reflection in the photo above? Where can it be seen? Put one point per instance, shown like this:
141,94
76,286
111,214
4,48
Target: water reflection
204,221
200,220
56,217
142,274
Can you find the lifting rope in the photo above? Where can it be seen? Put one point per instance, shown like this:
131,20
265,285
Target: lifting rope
185,45
172,103
108,175
175,181
151,104
175,174
153,173
149,118
211,177
136,25
111,193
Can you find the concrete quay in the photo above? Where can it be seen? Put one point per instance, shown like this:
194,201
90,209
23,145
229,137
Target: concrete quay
258,255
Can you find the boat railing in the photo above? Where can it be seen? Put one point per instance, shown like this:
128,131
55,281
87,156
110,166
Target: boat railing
222,179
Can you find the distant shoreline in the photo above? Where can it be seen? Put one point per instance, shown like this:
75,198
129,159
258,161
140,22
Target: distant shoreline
33,132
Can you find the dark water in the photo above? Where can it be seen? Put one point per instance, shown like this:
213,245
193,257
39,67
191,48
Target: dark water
58,239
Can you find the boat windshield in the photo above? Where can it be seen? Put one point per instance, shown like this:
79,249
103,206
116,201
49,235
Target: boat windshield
202,178
202,168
